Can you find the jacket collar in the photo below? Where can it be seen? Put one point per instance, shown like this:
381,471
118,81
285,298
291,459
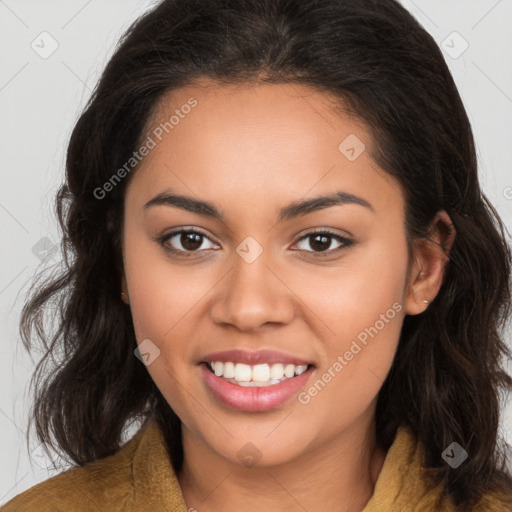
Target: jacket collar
402,483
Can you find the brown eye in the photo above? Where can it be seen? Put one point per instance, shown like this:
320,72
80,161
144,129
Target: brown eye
191,241
184,241
321,241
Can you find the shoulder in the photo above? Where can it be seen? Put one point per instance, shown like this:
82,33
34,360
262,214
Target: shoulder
105,484
405,484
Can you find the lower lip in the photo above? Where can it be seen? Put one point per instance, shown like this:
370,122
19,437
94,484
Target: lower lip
254,399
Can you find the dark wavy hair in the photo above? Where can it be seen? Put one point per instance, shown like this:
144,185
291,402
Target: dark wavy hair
384,68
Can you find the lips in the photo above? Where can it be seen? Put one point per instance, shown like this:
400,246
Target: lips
249,395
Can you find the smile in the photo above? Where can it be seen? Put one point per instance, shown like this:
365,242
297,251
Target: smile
259,375
254,395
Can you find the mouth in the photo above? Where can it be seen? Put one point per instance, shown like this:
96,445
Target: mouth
259,375
254,385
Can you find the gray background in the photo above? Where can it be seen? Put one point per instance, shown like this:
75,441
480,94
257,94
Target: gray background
41,95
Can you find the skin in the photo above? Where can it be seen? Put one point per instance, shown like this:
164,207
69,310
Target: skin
252,150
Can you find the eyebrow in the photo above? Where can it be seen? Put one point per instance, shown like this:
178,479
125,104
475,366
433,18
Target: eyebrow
293,210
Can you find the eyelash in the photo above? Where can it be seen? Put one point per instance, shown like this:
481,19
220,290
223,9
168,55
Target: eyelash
346,243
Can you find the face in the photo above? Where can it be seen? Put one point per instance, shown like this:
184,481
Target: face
263,287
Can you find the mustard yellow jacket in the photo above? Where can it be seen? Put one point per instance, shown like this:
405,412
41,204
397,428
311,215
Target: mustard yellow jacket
140,477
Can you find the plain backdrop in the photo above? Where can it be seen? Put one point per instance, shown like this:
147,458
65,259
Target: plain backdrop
52,54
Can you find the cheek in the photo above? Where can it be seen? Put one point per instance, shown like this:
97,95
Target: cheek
366,288
357,361
161,293
161,297
363,308
346,388
166,300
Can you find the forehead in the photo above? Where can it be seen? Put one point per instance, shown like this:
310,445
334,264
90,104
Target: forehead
257,143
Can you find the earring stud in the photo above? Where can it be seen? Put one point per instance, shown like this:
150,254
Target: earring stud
426,301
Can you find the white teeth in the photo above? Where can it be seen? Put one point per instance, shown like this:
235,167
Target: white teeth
218,368
243,372
229,370
289,370
259,375
276,371
300,369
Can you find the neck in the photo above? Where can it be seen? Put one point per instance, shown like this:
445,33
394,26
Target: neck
338,475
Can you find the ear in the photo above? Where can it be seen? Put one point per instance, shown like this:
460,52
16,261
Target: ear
430,256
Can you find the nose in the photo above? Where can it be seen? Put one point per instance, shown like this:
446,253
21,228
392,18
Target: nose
251,295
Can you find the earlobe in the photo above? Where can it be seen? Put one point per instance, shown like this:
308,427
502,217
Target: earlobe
431,256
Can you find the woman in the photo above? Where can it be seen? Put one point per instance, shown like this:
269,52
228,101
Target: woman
281,263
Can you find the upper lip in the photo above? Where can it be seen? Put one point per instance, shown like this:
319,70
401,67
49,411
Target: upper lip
253,358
